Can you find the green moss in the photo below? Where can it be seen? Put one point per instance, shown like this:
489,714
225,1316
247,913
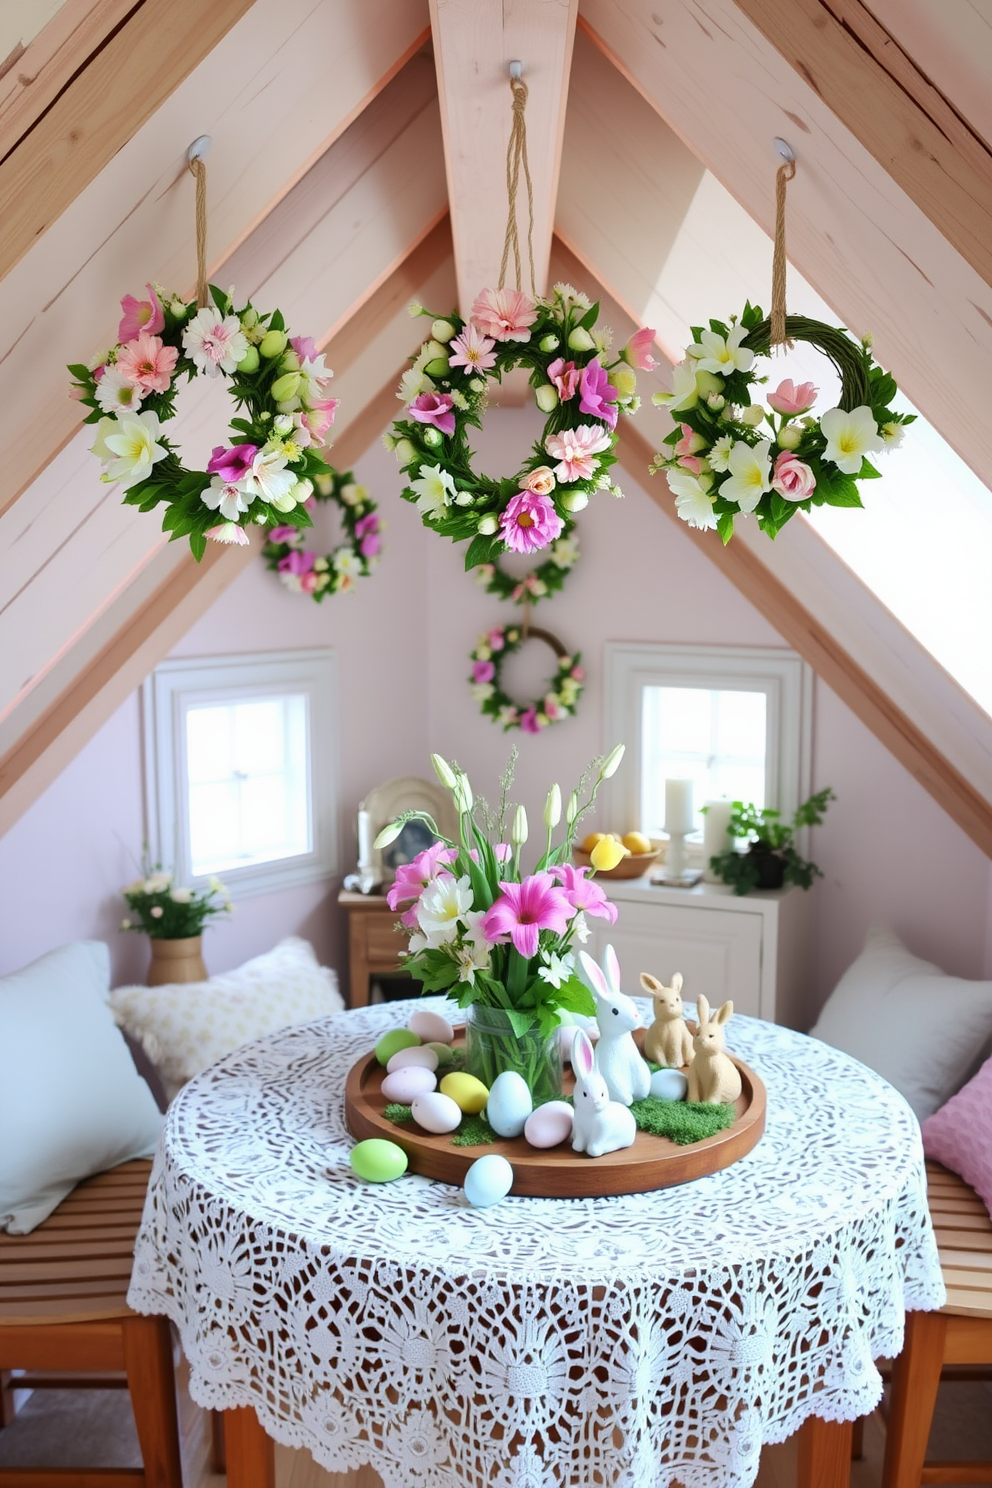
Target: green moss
679,1121
398,1113
474,1131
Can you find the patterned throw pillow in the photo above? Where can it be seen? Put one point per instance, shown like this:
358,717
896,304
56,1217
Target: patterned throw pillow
959,1135
185,1027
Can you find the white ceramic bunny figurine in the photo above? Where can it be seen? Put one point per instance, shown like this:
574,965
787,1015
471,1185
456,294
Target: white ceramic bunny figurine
600,1125
627,1077
667,1040
713,1075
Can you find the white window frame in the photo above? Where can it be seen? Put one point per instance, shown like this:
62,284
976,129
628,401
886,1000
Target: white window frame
165,697
783,677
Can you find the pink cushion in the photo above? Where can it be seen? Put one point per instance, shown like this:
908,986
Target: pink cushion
959,1135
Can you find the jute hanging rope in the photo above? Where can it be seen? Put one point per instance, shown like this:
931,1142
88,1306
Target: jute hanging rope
516,156
199,170
783,176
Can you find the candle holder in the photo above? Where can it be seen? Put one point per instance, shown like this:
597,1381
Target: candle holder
675,872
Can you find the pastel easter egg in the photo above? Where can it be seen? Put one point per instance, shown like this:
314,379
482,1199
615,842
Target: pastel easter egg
669,1084
404,1084
393,1041
430,1027
549,1125
418,1056
445,1054
509,1104
377,1160
466,1091
436,1112
488,1180
566,1038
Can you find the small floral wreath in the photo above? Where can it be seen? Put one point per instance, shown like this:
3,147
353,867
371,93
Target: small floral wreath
548,578
265,474
564,689
723,462
582,396
302,570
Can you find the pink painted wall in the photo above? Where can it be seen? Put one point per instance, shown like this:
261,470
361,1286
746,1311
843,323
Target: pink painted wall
402,639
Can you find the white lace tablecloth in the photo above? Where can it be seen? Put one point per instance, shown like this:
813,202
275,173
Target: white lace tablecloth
622,1342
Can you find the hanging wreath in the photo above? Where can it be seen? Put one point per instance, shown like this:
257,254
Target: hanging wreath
564,688
304,571
580,392
546,579
730,455
265,471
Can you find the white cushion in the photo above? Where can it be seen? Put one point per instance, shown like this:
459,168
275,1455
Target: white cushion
185,1027
922,1031
71,1101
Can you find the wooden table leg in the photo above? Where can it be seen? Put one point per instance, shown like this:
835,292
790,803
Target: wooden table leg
150,1378
824,1453
915,1377
251,1454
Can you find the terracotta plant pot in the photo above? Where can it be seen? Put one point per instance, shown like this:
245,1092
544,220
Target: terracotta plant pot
176,961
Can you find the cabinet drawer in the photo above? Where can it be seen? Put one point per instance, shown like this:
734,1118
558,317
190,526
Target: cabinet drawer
718,953
383,944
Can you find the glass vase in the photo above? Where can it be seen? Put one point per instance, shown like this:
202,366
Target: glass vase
491,1047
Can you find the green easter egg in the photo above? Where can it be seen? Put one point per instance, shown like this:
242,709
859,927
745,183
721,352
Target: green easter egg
445,1053
392,1042
468,1093
377,1160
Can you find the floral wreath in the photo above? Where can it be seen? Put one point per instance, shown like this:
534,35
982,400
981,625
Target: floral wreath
546,579
302,570
445,390
724,462
564,689
265,474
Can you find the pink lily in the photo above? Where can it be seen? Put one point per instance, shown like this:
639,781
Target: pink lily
637,352
412,878
298,562
140,315
598,395
528,721
523,910
232,462
483,671
565,377
305,348
789,399
283,534
583,894
436,409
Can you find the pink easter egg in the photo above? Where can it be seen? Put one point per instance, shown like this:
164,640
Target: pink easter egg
420,1056
405,1084
430,1027
549,1125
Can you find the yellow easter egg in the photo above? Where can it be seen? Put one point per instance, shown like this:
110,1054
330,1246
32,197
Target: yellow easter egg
591,840
468,1093
637,842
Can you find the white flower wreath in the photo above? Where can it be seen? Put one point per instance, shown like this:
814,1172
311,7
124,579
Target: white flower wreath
301,569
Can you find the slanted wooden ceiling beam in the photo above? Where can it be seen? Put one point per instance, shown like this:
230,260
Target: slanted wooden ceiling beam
474,43
888,103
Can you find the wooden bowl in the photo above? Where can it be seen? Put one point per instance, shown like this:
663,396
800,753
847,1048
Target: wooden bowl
630,867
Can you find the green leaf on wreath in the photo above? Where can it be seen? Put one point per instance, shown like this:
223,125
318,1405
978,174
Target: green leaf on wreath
868,471
79,371
725,526
589,319
198,545
575,997
276,322
479,551
220,299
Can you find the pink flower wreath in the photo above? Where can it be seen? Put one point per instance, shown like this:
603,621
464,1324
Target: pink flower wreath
303,571
558,702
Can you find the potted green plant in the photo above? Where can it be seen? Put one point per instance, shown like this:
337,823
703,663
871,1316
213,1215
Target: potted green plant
173,919
770,858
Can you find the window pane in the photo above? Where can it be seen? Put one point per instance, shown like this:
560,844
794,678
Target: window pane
208,744
259,743
715,737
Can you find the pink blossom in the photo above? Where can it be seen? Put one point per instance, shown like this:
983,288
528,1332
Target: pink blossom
298,562
281,534
529,522
310,505
412,878
598,396
367,533
792,478
565,377
483,671
582,894
305,348
319,417
693,463
690,443
526,586
787,398
637,352
473,351
495,638
552,711
528,721
502,852
140,315
504,314
308,582
146,362
523,910
579,673
227,532
231,463
541,480
436,409
574,450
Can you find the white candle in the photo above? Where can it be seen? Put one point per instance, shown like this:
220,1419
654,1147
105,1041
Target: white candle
678,806
716,835
364,840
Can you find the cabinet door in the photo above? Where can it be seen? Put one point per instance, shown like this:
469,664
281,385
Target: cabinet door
718,953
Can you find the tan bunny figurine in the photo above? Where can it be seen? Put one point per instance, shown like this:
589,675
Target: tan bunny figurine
667,1041
713,1076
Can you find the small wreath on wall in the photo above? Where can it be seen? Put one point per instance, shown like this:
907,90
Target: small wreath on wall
557,703
730,456
302,570
264,474
548,578
580,393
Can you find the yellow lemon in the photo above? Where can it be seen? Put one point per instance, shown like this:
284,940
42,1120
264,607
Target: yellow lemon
637,842
591,840
607,854
468,1093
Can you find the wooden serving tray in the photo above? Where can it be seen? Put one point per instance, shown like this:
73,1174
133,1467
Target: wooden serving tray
558,1172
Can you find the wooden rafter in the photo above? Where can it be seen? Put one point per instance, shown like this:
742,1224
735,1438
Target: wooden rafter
888,103
474,42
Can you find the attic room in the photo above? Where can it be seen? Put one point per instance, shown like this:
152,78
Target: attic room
570,422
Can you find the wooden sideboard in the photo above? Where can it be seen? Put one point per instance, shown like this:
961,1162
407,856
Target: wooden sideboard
373,942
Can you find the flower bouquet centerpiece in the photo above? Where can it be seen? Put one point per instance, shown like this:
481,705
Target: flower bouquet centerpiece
498,940
168,913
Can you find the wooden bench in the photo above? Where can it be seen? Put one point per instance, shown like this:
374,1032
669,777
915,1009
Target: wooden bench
63,1309
960,1334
